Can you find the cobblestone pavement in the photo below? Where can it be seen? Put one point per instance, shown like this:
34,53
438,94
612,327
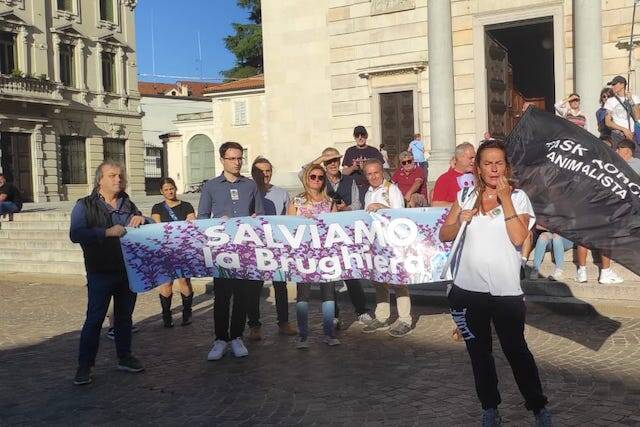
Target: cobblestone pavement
590,367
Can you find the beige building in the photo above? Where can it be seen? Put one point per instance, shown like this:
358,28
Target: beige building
237,113
451,70
69,95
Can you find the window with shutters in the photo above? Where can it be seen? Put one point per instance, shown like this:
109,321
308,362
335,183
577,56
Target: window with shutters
114,149
240,114
7,52
73,157
67,65
108,71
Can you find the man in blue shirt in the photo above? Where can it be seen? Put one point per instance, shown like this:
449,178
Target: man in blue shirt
416,147
230,195
97,223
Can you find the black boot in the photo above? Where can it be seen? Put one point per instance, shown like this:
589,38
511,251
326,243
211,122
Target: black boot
165,302
187,301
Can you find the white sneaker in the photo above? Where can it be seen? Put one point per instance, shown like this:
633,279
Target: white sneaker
609,277
302,343
238,348
534,274
581,275
557,275
218,350
330,341
365,319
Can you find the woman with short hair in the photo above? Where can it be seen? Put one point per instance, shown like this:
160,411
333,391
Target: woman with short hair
173,209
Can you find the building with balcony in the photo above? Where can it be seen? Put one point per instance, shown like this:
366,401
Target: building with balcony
68,95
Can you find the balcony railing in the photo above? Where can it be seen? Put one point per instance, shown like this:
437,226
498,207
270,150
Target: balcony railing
29,89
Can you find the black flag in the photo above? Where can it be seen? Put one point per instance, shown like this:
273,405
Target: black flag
579,187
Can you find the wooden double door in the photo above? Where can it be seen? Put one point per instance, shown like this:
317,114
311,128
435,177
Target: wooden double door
397,123
15,159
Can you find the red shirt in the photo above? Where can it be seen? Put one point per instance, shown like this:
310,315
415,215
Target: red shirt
404,180
446,187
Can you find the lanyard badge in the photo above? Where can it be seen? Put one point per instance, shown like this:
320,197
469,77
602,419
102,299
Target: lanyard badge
233,192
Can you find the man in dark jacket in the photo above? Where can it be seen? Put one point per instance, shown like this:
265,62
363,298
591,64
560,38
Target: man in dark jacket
10,200
97,223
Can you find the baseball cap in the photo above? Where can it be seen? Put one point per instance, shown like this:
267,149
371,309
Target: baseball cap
616,80
331,153
360,130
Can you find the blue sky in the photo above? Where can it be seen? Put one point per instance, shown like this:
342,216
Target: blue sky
176,25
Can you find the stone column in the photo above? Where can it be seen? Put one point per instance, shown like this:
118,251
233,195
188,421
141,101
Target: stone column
587,51
120,71
441,102
80,69
23,50
37,140
99,86
56,57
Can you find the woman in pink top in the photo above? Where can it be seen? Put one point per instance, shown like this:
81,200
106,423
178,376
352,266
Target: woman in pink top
310,204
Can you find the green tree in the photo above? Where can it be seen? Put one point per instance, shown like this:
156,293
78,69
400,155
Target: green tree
246,43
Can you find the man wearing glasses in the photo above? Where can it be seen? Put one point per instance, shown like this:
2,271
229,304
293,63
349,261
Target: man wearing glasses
410,180
230,195
355,157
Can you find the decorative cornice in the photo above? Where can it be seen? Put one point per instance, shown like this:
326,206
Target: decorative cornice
379,7
624,43
131,4
389,70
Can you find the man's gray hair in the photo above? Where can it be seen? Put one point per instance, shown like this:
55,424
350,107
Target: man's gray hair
405,155
461,148
100,173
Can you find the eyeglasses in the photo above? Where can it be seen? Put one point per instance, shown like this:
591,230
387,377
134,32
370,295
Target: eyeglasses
406,162
233,159
360,135
314,177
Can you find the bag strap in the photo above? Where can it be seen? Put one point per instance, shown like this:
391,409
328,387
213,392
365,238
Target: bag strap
170,211
628,111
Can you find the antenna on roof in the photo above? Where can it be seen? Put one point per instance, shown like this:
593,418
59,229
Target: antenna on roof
199,54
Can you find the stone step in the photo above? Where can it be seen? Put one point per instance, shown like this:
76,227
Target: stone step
569,269
58,267
13,244
41,256
42,216
35,225
34,234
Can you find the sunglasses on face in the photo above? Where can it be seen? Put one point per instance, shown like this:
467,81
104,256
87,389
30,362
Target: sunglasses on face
361,135
406,162
314,177
328,162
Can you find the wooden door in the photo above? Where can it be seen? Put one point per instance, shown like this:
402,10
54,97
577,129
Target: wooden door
16,162
397,126
497,67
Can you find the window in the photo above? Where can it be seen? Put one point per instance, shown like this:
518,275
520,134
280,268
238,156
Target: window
240,113
108,71
7,52
65,5
67,65
113,149
106,10
73,160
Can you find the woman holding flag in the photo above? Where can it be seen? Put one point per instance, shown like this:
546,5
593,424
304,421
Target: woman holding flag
495,220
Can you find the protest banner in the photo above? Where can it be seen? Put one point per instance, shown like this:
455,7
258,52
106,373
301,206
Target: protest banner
397,246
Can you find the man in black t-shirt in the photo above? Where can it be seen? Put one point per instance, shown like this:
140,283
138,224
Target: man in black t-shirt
10,200
355,157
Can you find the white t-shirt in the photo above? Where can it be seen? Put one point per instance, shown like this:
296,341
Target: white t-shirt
489,261
387,194
618,112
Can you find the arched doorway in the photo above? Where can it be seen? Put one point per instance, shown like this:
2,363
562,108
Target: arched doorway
200,159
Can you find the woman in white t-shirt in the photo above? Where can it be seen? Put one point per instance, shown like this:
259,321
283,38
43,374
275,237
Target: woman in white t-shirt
486,285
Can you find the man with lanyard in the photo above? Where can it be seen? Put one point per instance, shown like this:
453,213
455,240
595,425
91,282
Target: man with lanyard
457,177
230,195
346,196
620,112
97,223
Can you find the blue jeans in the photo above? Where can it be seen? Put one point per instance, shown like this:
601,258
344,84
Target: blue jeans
546,242
8,208
101,287
328,308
